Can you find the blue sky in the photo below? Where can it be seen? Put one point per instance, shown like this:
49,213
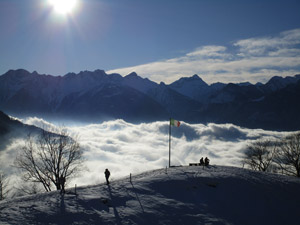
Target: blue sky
221,40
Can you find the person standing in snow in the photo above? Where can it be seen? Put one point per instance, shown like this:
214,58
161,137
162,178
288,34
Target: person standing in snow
206,161
107,174
62,181
201,161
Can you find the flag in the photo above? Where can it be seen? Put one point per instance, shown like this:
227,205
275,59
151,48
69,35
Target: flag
175,123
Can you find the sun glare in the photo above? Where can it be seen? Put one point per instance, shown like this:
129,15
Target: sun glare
63,6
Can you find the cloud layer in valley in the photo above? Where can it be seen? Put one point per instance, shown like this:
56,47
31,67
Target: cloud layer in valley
253,59
126,148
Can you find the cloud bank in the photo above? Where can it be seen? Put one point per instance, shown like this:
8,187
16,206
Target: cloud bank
253,59
126,148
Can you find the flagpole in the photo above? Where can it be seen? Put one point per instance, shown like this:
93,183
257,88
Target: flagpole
170,144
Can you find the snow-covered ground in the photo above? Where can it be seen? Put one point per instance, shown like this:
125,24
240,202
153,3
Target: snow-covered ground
178,195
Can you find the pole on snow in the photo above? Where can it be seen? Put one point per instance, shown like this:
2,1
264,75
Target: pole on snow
1,187
170,143
175,123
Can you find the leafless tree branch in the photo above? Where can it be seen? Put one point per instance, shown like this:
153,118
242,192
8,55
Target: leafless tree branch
49,157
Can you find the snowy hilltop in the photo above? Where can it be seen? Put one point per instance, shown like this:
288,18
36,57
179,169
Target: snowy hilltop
177,195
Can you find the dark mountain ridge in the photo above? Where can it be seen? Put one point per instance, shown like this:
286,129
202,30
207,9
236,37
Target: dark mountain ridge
13,128
97,96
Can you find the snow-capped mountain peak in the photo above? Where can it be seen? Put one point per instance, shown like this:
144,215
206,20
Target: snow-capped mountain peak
139,83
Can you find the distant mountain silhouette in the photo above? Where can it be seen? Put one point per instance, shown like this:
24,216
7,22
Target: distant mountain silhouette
97,96
13,128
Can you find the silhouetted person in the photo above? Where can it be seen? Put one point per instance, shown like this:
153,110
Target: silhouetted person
62,181
201,161
107,174
206,161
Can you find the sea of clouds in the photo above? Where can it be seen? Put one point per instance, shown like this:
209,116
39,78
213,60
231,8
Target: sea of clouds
126,148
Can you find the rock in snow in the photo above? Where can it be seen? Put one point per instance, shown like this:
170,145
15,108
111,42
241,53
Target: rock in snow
178,195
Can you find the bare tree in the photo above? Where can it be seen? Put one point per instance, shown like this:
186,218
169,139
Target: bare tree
288,155
259,155
3,186
48,157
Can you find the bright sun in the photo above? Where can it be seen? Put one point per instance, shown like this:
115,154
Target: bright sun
63,6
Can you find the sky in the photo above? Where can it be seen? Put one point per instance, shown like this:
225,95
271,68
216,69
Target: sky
163,40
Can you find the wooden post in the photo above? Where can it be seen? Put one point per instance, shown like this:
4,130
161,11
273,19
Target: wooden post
1,186
170,143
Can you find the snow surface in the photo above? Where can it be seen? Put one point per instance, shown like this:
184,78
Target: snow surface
177,195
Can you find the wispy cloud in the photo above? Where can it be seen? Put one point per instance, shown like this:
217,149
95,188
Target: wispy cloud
253,59
283,43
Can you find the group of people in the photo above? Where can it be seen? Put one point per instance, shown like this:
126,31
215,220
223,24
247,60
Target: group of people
62,179
204,162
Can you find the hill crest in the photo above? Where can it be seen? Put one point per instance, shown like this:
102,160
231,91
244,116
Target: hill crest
178,195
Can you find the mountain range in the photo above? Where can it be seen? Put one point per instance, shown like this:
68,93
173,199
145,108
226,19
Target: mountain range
94,96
